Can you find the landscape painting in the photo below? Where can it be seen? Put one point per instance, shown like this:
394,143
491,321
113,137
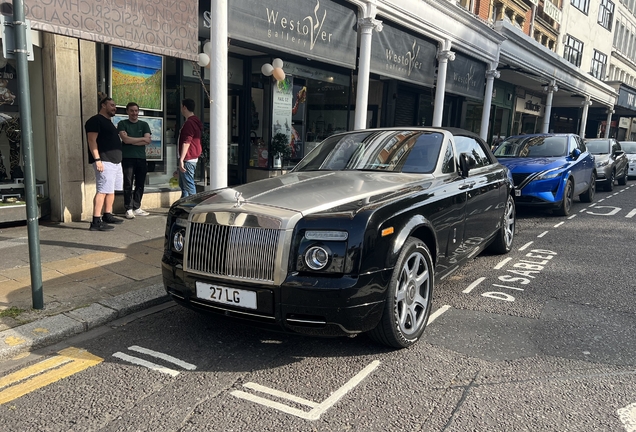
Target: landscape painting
136,77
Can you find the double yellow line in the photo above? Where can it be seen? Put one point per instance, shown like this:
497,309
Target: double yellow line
69,361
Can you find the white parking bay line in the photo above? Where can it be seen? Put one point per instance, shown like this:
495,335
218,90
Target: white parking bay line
162,356
525,246
318,409
627,416
437,313
502,263
280,394
601,200
572,217
543,233
559,224
141,362
477,282
631,214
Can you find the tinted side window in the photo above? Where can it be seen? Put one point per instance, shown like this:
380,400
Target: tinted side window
448,166
581,144
473,149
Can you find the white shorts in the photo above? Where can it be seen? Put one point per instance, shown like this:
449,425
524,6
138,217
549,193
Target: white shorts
109,180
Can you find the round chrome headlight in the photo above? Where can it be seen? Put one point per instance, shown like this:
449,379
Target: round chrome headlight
178,241
316,258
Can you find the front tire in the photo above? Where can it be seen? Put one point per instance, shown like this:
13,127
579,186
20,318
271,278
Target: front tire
588,195
506,234
409,297
568,197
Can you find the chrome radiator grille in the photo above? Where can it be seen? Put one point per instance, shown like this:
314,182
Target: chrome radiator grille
233,251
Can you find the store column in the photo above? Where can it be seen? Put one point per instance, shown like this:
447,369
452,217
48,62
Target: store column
491,74
550,88
586,105
608,123
367,24
444,56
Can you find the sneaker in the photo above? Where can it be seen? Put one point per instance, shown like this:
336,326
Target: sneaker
140,212
130,214
101,226
109,218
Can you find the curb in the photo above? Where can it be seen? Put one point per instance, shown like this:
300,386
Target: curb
53,329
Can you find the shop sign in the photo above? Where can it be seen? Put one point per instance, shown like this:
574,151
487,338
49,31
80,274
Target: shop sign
530,105
8,87
626,99
316,29
552,11
166,27
466,77
399,55
623,122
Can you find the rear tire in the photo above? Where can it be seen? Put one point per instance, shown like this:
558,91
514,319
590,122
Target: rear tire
568,196
506,234
623,180
408,298
588,195
610,182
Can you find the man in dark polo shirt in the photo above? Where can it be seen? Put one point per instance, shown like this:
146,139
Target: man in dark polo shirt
104,152
135,136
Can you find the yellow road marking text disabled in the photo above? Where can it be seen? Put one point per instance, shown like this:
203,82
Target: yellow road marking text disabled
69,361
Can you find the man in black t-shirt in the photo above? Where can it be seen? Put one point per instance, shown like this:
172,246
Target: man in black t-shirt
104,152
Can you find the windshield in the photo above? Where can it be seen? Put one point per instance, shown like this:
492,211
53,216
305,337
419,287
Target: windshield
395,151
629,147
598,146
533,146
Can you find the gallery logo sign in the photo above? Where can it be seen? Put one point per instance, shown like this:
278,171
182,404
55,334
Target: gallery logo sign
299,29
406,61
466,79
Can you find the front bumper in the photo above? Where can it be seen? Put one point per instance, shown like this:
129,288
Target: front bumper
541,193
319,306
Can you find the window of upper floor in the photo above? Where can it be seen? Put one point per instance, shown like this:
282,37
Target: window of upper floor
606,14
599,64
573,50
582,5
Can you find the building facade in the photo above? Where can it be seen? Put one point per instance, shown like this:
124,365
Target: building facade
493,67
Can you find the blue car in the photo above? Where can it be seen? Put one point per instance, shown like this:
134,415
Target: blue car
549,170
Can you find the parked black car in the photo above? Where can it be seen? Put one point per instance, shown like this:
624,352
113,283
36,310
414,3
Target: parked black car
611,162
352,240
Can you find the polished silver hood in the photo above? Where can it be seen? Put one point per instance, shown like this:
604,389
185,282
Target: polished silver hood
311,192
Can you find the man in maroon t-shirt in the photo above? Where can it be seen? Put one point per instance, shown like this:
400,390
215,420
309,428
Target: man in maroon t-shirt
189,148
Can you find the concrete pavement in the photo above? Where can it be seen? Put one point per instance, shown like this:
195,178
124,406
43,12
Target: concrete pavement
89,278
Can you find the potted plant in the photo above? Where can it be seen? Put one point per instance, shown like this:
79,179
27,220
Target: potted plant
280,149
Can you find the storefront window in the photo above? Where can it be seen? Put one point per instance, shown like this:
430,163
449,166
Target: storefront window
308,106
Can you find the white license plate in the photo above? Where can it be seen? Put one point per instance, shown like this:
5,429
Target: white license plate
228,296
517,192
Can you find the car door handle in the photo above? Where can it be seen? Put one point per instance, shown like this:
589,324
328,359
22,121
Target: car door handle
467,186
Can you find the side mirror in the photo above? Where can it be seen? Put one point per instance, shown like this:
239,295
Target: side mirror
575,153
466,162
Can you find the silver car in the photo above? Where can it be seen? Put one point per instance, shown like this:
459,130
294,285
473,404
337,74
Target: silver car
629,147
611,162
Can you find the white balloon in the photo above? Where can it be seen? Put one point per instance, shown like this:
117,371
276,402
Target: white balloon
267,69
277,63
207,48
204,59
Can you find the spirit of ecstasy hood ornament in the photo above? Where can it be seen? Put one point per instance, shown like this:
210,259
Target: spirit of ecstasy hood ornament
238,196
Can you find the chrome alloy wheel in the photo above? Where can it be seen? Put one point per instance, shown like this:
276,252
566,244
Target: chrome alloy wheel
412,294
509,222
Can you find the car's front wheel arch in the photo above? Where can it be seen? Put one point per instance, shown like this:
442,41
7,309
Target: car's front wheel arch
418,227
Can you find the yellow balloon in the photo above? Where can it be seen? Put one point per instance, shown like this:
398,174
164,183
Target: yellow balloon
279,74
